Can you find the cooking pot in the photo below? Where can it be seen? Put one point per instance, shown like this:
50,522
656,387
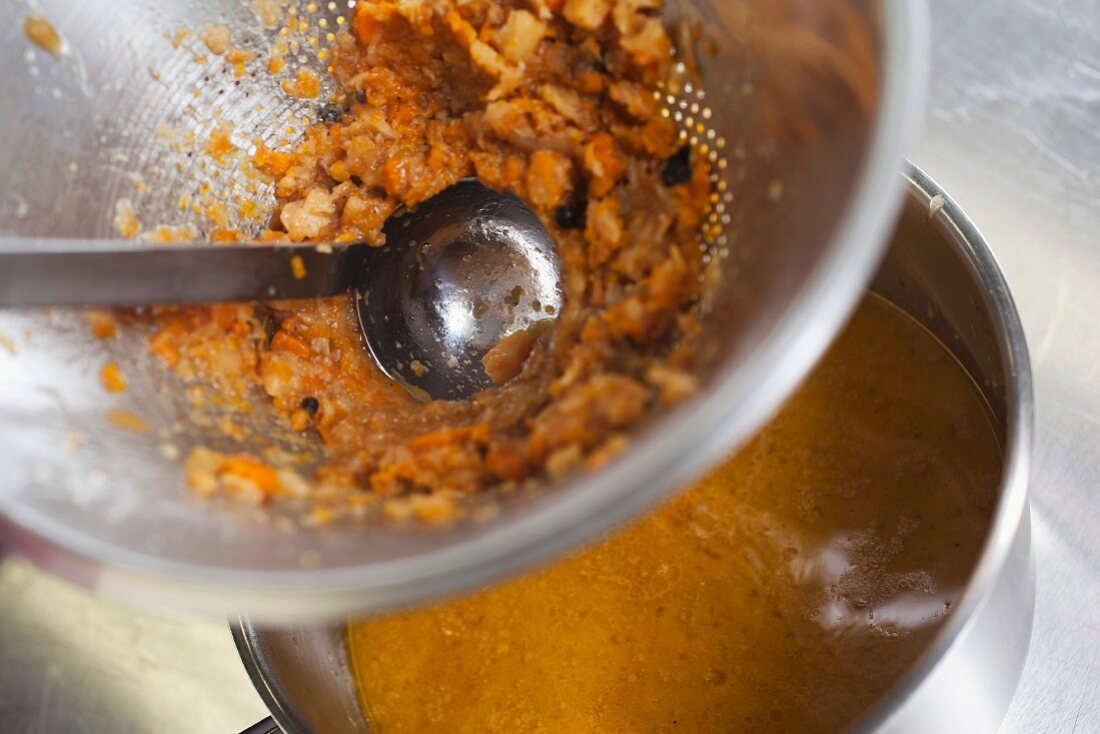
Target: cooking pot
941,272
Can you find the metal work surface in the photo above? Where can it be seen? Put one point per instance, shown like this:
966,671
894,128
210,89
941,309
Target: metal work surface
1012,135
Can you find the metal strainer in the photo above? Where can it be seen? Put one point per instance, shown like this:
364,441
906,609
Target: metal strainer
803,108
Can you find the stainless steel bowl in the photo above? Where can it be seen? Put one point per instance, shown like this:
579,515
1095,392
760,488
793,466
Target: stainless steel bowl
812,103
941,272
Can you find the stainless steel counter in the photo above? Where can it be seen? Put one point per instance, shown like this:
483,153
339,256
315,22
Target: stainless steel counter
1014,135
70,663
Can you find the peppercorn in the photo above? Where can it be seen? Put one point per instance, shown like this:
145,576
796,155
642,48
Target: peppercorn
570,216
330,113
268,321
310,405
677,168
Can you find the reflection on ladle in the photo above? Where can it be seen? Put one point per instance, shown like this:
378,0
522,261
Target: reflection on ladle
458,275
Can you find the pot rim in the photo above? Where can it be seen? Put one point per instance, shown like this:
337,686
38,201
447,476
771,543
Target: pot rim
1012,504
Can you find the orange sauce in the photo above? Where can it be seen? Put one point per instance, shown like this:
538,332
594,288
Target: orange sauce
786,591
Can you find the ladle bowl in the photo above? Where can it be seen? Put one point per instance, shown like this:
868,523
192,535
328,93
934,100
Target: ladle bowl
464,270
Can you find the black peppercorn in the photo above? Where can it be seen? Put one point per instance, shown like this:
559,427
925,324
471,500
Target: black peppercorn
330,113
677,168
268,320
310,405
570,216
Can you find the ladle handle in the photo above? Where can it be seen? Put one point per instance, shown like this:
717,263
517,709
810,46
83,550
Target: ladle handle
267,726
61,272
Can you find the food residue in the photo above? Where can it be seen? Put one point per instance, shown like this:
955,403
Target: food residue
306,85
41,31
127,420
269,12
220,143
554,104
8,343
112,379
298,267
126,221
217,38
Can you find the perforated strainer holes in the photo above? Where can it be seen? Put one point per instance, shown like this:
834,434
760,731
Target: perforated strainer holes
684,101
259,89
264,80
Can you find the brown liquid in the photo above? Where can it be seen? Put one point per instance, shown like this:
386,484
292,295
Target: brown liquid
786,591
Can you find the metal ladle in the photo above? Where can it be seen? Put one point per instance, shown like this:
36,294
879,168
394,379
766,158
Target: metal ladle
458,273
